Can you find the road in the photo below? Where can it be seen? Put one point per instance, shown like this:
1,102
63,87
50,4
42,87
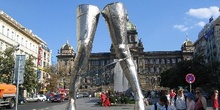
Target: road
82,104
38,106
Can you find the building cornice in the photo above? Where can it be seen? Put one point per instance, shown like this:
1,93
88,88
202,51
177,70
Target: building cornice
9,20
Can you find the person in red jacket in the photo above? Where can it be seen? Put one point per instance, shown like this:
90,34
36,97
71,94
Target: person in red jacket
214,98
107,102
103,97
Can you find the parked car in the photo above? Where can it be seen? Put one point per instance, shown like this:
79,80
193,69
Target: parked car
85,94
57,98
21,99
41,97
32,99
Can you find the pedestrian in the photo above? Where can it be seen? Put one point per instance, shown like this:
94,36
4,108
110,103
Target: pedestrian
201,103
103,97
172,93
215,103
190,102
179,100
166,92
107,102
162,104
90,96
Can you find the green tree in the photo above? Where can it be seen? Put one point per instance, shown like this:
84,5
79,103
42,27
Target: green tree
175,76
52,79
30,75
7,65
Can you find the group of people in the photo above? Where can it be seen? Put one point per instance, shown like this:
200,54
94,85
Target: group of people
181,101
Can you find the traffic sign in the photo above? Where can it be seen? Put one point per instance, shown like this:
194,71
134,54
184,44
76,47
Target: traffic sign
190,78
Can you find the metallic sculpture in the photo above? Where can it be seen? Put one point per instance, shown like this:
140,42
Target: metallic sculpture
87,19
116,18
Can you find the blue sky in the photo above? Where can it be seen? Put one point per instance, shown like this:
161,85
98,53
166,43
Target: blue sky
161,24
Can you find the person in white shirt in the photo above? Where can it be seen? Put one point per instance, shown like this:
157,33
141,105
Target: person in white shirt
162,104
179,100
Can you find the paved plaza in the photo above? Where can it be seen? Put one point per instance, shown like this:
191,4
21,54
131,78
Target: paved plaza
90,104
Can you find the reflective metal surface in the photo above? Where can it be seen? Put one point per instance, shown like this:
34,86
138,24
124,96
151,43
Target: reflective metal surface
115,15
116,18
87,19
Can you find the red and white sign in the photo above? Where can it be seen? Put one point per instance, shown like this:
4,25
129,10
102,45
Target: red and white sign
190,78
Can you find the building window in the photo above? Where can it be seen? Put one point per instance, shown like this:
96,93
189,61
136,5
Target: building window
44,56
18,39
3,29
147,70
147,80
12,35
151,61
22,43
179,59
30,46
44,65
26,42
36,50
152,69
157,61
7,33
162,61
173,61
96,62
168,61
132,38
102,62
157,69
1,46
146,61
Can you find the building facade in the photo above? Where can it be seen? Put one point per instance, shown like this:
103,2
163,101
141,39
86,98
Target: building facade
208,42
149,64
13,34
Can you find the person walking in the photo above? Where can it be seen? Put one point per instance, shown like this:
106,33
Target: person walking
162,104
215,103
190,103
179,101
172,93
201,103
107,102
103,97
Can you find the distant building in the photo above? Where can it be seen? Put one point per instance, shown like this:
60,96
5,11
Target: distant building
149,64
65,60
14,34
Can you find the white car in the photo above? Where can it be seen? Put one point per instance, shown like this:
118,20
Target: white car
41,97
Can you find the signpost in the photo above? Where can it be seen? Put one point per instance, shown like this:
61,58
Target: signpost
190,78
19,74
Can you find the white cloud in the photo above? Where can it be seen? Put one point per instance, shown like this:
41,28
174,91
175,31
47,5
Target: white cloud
181,27
204,13
201,24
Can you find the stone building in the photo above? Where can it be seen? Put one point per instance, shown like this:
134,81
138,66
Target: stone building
13,34
208,42
149,64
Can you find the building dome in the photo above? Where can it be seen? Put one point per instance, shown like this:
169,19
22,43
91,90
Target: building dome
130,26
187,43
66,46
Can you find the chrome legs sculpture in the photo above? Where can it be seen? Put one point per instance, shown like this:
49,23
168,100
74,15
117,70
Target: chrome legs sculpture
87,19
116,19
